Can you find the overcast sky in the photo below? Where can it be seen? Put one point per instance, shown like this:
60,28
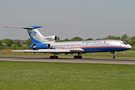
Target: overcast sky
68,18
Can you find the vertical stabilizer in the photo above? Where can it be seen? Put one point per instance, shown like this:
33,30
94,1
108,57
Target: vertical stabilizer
34,34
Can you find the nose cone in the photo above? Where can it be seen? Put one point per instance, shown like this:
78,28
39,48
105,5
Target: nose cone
129,46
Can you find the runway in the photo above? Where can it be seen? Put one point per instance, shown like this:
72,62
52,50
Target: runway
69,60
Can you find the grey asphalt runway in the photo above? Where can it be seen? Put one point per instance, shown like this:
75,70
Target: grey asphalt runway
69,60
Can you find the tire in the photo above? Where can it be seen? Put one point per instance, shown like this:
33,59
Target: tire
113,57
77,57
53,57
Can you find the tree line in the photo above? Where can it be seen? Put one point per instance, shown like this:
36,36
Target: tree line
18,44
125,37
14,44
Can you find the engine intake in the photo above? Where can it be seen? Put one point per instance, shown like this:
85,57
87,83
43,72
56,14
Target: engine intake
51,38
40,46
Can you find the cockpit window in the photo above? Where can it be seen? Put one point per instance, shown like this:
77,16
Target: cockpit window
124,43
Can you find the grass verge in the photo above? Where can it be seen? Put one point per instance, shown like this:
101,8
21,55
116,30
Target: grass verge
65,76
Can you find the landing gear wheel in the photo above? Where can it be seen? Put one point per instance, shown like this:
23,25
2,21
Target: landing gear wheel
113,57
77,57
56,57
53,57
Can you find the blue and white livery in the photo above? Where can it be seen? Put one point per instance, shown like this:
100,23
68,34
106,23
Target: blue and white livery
48,44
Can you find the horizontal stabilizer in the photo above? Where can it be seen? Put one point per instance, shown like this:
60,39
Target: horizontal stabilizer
23,27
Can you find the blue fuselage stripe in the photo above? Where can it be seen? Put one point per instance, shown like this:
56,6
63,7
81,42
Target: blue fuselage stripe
104,49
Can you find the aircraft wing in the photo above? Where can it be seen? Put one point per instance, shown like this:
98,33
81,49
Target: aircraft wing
76,50
50,50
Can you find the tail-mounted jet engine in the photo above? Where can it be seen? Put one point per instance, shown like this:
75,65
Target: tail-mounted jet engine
40,46
51,38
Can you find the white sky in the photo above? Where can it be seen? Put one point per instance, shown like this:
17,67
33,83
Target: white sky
68,18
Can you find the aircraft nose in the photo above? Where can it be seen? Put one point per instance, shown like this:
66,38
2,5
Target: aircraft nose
129,46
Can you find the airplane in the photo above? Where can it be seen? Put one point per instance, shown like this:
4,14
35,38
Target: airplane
48,44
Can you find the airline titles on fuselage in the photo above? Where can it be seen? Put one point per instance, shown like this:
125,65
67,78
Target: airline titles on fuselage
95,43
83,43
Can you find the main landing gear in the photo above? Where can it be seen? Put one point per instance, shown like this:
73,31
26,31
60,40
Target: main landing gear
78,57
54,57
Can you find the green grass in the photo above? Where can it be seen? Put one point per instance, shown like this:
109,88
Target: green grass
65,76
130,54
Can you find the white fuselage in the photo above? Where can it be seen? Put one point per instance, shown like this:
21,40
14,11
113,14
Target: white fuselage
93,46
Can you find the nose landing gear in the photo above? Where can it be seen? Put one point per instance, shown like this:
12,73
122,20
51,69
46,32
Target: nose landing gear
113,57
